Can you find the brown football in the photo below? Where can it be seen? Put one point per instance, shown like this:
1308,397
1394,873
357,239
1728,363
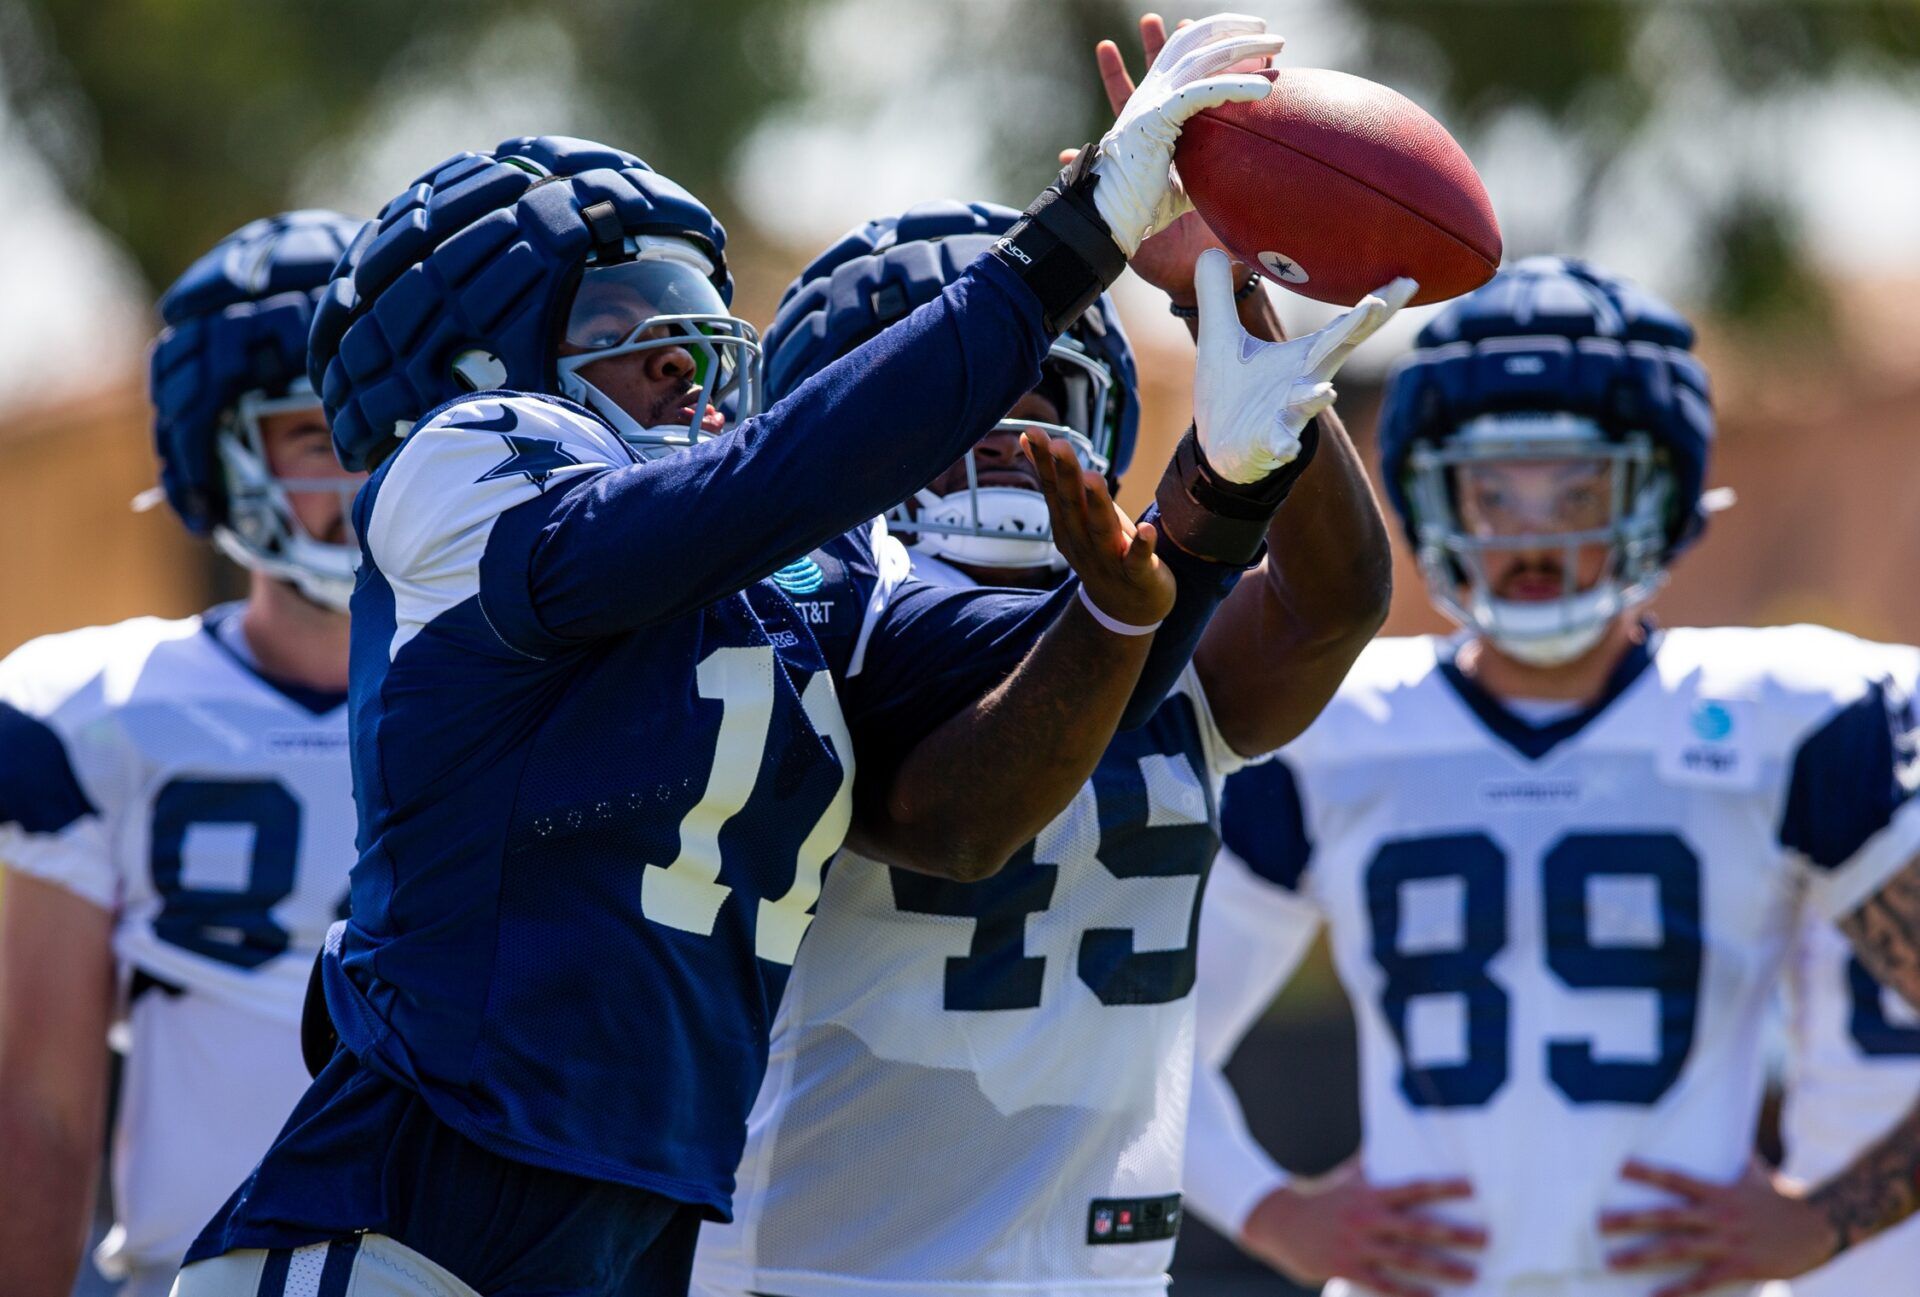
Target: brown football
1333,185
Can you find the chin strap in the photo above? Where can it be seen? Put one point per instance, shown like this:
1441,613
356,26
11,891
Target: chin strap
1226,522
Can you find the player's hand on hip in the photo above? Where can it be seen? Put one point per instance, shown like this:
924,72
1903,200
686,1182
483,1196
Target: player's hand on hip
1138,194
1113,556
1252,399
1751,1229
1343,1226
1164,260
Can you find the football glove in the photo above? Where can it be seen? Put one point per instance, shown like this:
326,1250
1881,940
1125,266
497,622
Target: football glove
1138,194
1252,399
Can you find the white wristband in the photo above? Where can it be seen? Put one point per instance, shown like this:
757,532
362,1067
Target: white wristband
1114,624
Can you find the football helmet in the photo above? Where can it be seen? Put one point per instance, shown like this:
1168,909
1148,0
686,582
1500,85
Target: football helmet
1552,362
879,273
477,276
234,351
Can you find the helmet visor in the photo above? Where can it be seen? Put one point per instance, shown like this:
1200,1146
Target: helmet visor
615,304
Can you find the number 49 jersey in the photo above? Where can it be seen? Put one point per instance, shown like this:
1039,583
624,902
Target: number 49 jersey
982,1087
1560,939
148,769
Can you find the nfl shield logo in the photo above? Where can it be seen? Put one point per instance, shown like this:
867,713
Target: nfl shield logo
1102,1222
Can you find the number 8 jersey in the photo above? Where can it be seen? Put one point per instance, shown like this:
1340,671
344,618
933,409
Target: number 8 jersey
149,769
1560,937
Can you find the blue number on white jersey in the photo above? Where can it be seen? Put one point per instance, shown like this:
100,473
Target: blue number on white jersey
998,973
1668,967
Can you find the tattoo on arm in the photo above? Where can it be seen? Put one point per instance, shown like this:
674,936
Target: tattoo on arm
1878,1190
1885,933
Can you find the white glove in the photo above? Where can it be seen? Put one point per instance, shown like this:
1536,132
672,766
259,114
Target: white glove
1138,194
1252,399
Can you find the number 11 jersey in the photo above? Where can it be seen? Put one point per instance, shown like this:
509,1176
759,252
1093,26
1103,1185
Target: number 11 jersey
1561,936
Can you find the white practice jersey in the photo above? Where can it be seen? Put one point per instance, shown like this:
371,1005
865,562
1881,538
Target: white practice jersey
1560,939
1853,1070
982,1088
148,769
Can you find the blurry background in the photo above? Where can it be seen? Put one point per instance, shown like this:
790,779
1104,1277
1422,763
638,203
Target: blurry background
1757,162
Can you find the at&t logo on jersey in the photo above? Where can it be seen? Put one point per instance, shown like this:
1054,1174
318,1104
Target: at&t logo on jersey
1710,744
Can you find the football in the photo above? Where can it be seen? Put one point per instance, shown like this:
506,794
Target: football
1333,185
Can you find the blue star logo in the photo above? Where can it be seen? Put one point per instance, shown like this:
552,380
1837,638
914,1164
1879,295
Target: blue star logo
535,457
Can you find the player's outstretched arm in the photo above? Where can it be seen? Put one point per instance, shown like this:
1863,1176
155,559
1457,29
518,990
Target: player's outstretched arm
1284,640
1026,746
880,422
1286,637
56,1001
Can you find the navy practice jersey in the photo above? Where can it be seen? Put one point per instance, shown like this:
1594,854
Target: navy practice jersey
601,757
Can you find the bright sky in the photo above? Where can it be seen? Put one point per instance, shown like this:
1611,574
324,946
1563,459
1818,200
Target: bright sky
895,122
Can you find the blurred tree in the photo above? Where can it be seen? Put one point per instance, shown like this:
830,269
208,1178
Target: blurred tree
171,123
1603,71
121,95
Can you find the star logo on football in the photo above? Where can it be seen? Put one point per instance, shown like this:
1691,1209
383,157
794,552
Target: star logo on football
1283,267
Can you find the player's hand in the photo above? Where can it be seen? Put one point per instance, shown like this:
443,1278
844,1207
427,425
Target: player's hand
1138,194
1342,1226
1166,259
1252,399
1113,556
1750,1229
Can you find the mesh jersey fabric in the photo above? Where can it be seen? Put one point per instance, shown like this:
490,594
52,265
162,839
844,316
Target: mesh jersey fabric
958,1072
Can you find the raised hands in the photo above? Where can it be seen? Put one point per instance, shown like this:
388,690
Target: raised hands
1252,399
1139,195
1113,556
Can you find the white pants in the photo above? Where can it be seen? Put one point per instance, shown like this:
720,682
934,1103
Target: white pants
368,1265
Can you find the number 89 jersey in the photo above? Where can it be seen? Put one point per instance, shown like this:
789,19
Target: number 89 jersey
983,1087
148,769
1561,939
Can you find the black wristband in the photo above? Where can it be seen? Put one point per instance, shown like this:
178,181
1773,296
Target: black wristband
1061,247
1240,294
1212,518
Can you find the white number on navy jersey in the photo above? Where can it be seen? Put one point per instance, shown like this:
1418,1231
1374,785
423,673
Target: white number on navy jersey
686,894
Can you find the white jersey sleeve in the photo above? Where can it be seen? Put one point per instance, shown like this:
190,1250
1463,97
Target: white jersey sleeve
447,488
1853,1071
61,770
1253,935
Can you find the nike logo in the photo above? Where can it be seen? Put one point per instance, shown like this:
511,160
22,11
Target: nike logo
507,422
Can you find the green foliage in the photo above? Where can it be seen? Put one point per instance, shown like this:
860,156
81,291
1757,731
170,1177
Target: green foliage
172,121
